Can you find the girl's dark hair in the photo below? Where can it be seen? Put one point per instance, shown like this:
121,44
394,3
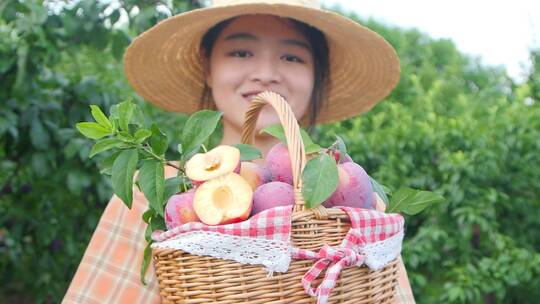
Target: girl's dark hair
319,47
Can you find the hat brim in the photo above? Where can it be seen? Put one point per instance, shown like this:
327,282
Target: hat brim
164,66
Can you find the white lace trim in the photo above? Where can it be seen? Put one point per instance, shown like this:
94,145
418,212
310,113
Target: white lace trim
379,254
274,255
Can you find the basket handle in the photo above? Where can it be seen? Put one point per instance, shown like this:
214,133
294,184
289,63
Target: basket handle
295,144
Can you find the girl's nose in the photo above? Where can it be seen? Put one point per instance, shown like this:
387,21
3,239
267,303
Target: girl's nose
266,71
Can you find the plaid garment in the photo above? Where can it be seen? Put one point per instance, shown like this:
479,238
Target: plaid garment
109,271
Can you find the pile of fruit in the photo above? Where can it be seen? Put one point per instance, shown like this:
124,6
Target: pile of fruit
227,190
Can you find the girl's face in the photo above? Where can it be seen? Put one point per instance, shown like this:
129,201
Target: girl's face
257,53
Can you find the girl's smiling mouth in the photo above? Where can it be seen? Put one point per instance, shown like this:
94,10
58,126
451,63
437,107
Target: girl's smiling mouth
249,96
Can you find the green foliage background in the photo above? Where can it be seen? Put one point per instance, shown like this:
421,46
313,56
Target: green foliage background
452,126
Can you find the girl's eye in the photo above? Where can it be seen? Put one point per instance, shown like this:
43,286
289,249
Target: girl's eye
292,58
240,54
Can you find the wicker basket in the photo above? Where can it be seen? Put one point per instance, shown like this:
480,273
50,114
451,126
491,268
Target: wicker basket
187,278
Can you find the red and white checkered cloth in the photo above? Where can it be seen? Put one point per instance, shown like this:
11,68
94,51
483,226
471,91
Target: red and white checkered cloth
271,224
368,226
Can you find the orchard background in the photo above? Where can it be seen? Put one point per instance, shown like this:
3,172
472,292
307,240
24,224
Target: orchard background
453,126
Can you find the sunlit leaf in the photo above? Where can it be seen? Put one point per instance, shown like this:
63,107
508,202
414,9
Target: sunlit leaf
248,152
320,180
412,201
100,118
104,145
197,129
92,130
277,131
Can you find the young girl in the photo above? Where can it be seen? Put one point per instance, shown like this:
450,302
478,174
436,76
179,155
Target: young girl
326,66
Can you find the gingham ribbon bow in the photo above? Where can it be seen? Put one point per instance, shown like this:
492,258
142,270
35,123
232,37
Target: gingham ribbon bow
337,257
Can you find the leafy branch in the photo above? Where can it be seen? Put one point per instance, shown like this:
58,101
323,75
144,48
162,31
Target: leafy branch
135,146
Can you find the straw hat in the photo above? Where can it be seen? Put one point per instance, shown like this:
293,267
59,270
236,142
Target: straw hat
164,65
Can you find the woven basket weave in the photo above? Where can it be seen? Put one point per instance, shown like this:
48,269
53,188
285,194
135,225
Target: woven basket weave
187,278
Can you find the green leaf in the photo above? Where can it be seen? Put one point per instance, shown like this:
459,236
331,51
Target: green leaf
92,130
379,189
138,117
146,261
148,230
125,137
105,166
309,145
179,148
125,113
101,118
197,129
122,175
172,186
151,179
278,131
341,147
148,215
142,134
248,152
104,145
320,180
38,136
113,112
157,223
158,141
411,201
146,155
275,130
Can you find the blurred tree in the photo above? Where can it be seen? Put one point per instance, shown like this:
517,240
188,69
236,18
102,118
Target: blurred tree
533,79
57,58
467,132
